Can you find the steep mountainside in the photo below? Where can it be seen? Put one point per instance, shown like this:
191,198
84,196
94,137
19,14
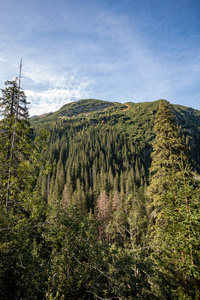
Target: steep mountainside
97,145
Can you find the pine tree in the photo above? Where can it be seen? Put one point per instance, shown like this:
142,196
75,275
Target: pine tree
175,203
21,241
115,200
66,196
168,150
78,198
103,214
15,140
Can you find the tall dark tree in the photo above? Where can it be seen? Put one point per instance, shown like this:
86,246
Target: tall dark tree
21,242
15,139
168,150
175,203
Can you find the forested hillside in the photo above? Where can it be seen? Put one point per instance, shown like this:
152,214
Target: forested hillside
99,200
97,146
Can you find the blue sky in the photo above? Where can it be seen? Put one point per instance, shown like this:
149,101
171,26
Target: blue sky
115,50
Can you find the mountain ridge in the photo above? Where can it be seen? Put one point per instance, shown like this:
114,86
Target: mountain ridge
97,145
135,120
91,105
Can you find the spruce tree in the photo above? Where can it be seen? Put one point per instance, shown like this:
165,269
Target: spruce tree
21,241
102,214
174,209
168,149
15,140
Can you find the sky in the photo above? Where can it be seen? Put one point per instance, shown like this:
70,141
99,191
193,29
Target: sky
114,50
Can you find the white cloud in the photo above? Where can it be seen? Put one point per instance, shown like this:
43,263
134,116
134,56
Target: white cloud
48,91
53,99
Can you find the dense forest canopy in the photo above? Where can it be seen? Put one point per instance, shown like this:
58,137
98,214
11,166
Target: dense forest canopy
99,200
97,145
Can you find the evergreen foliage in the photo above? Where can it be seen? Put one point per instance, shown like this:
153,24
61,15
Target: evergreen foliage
84,220
15,142
175,213
106,149
168,151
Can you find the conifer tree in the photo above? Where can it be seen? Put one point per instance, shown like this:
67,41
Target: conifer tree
115,200
78,198
66,196
15,140
168,149
103,213
174,208
20,161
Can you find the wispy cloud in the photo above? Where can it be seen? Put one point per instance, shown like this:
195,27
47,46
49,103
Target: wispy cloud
153,67
52,90
130,51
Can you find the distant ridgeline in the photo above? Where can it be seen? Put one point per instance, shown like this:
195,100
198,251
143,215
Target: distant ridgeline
98,146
